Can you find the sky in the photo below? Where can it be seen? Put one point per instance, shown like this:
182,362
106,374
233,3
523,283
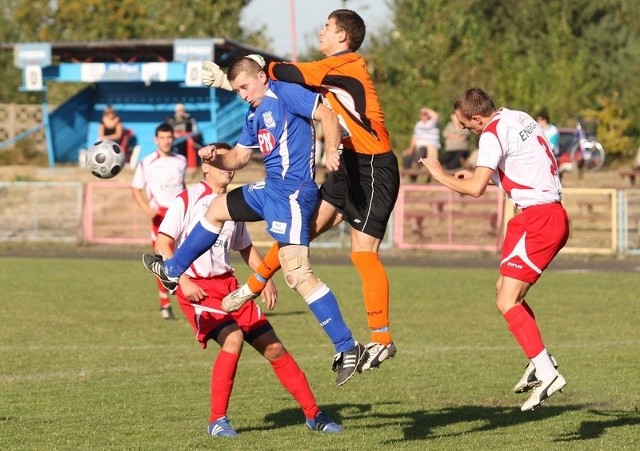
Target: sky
310,16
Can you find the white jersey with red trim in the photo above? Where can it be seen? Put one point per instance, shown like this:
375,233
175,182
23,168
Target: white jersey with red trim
515,147
185,212
162,177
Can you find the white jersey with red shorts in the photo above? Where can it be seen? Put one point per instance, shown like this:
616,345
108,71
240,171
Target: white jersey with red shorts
212,270
162,178
515,147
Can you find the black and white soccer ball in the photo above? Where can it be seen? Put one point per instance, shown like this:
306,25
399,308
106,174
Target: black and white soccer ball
105,159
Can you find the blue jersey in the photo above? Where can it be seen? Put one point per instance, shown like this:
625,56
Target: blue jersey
282,128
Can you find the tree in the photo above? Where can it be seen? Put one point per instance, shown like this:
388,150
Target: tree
97,20
560,55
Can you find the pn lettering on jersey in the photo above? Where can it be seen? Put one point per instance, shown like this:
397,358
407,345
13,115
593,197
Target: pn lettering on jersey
266,141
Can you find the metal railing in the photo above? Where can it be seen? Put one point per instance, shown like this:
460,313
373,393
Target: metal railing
430,217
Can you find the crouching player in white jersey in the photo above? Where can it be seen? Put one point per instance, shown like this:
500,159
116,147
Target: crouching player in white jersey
515,155
200,292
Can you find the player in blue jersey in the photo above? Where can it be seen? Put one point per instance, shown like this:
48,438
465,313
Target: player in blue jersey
279,123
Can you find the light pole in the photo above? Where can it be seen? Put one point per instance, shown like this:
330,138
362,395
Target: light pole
294,34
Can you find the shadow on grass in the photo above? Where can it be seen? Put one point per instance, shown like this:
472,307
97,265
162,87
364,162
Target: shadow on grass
590,429
429,424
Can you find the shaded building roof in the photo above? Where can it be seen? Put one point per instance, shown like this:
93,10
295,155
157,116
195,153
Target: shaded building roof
142,51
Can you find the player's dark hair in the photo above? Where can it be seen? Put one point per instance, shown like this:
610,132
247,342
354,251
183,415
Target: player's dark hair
350,22
474,102
246,65
164,127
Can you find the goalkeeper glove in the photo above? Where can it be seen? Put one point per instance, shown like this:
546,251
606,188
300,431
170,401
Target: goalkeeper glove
212,76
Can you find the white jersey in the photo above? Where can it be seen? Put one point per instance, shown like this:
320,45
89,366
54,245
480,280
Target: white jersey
515,147
162,177
185,212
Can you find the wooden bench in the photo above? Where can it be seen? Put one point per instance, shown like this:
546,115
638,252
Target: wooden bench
631,175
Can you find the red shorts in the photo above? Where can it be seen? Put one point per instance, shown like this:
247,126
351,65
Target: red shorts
208,318
155,224
533,239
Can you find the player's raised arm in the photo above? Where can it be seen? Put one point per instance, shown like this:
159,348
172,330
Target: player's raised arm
470,183
286,72
238,158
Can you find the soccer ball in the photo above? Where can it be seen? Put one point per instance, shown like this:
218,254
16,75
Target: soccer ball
105,159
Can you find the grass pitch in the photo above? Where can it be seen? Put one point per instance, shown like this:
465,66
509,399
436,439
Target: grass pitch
86,362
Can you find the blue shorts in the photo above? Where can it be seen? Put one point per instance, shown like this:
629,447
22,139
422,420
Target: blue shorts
287,209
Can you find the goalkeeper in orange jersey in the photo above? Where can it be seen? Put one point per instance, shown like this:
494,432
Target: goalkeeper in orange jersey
364,189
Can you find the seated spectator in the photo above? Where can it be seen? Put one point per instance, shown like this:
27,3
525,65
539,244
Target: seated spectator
110,127
425,141
185,125
456,145
182,122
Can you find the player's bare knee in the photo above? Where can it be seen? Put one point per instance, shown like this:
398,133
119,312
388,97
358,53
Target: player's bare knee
231,339
296,268
274,351
504,304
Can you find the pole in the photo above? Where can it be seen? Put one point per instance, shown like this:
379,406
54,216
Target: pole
294,34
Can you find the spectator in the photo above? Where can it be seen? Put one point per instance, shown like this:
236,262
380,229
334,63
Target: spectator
182,122
158,179
425,141
110,127
550,131
185,127
456,144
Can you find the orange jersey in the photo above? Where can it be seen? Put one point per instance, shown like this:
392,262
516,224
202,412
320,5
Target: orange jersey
344,82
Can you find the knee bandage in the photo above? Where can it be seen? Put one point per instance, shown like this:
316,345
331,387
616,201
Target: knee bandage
296,267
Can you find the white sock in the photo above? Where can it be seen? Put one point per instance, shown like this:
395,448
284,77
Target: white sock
544,366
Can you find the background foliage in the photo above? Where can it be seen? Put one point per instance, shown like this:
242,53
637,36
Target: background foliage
575,58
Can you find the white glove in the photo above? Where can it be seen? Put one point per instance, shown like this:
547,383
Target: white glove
257,58
212,75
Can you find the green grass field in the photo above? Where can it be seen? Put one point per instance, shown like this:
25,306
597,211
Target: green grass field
86,362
